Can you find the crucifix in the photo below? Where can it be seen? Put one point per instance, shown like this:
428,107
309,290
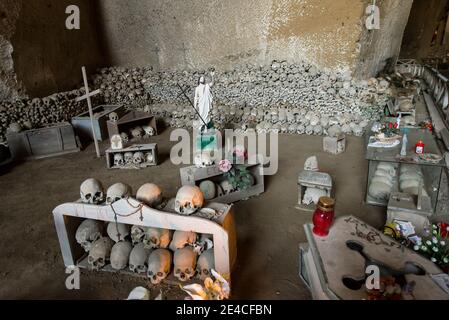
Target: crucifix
89,104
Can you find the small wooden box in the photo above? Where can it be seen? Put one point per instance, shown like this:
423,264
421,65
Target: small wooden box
44,142
319,180
194,176
82,125
131,120
145,148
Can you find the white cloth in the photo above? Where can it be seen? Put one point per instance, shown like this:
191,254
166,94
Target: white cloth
203,101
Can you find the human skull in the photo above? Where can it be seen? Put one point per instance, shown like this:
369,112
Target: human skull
318,130
91,191
205,264
128,158
150,194
208,189
138,258
309,130
185,263
138,157
137,133
137,233
156,238
113,116
159,265
117,231
300,129
312,195
124,137
188,200
100,253
88,232
15,127
149,131
220,191
227,187
120,255
118,160
203,160
149,158
117,192
181,239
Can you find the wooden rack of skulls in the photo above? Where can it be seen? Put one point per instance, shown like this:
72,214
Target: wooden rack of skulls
146,235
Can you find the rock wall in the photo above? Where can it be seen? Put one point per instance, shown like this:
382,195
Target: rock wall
198,34
10,88
380,49
425,17
47,56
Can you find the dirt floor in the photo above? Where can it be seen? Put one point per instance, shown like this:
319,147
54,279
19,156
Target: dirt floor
269,227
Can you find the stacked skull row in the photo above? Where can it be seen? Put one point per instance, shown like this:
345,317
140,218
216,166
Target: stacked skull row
27,114
145,250
137,133
189,199
245,95
128,159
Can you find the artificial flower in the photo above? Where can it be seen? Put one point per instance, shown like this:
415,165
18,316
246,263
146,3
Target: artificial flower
224,165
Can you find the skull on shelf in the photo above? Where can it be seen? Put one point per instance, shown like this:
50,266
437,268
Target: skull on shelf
205,264
138,258
113,116
150,194
138,157
124,137
137,133
91,191
128,158
120,255
149,131
188,200
117,192
88,232
159,265
156,238
185,263
137,233
181,239
118,160
100,253
117,231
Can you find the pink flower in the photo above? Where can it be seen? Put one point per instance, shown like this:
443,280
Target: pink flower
224,165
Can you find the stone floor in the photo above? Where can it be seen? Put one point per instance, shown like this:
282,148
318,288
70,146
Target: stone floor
269,227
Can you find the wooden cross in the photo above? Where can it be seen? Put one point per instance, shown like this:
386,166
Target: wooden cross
89,104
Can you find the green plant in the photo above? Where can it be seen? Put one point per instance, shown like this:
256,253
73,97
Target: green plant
240,177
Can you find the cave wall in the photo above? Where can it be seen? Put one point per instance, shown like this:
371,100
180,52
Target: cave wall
47,56
425,17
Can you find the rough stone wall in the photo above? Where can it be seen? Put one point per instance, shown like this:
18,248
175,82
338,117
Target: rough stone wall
424,19
198,34
379,49
47,56
10,88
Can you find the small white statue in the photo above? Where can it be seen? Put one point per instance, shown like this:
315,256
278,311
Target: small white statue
203,98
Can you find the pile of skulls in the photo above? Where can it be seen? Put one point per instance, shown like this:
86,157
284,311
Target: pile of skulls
133,160
137,133
27,114
144,250
274,97
123,86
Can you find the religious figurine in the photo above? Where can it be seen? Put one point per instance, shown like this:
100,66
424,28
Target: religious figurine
203,100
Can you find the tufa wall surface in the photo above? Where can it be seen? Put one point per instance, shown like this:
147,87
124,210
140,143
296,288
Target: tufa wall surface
189,34
198,34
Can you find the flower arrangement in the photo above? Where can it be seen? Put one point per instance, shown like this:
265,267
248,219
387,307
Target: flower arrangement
212,290
238,175
434,245
390,129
